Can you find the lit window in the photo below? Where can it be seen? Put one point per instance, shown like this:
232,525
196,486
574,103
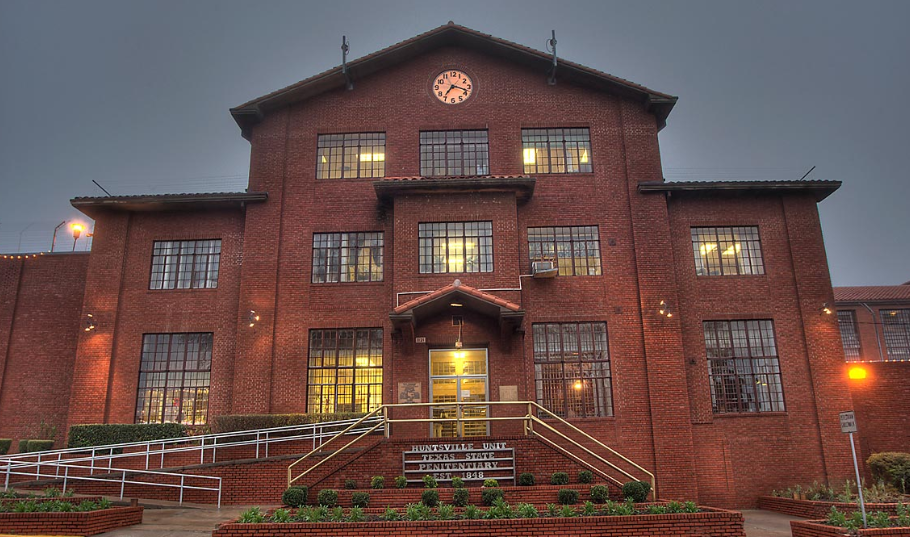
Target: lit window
456,247
743,366
174,377
846,321
896,328
345,370
572,369
185,264
556,150
727,251
454,153
342,156
347,257
575,250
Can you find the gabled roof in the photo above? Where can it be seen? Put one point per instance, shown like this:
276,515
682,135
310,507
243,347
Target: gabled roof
820,189
873,293
91,206
442,299
249,113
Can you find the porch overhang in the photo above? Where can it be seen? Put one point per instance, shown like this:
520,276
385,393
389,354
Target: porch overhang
453,298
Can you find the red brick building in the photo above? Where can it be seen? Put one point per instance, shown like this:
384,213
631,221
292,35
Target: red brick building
439,222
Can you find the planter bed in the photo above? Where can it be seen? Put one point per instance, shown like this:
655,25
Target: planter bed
75,500
708,523
537,495
72,523
817,509
817,528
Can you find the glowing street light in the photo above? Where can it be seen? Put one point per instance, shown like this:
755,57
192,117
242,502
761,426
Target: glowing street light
77,231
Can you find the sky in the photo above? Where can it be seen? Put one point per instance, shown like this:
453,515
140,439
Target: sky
135,95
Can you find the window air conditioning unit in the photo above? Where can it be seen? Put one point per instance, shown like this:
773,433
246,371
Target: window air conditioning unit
544,269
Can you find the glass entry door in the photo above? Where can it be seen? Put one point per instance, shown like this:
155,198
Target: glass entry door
459,376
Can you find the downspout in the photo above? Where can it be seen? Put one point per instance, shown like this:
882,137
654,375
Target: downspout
881,355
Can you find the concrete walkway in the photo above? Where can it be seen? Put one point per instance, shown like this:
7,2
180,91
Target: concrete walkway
767,523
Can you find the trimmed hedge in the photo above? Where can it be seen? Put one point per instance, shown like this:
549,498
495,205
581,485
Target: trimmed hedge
636,490
360,499
567,496
295,496
121,433
5,444
430,497
247,422
34,446
893,467
23,446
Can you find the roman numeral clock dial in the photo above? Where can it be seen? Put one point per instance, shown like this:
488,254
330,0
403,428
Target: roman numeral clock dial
453,86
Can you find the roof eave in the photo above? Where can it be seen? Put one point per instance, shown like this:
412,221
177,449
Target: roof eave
820,189
93,206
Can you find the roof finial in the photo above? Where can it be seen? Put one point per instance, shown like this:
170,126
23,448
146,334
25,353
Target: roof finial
456,283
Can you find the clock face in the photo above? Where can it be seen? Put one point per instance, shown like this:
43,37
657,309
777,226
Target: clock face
453,86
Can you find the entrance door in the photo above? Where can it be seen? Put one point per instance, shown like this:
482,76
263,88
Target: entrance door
459,375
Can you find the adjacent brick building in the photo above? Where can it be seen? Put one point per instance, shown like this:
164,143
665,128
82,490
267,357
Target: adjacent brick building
518,243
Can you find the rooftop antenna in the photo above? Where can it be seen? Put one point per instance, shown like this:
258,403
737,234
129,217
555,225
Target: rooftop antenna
551,47
807,173
102,188
344,62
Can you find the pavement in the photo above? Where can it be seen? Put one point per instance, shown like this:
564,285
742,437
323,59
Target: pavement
169,521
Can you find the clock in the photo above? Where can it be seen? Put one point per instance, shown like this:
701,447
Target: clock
452,86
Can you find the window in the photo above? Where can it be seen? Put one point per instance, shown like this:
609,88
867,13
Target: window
575,250
347,257
350,155
345,370
896,327
456,247
454,153
572,369
727,251
846,321
556,150
174,378
185,264
743,366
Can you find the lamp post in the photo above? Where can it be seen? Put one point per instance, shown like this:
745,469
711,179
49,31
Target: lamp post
54,240
77,230
848,425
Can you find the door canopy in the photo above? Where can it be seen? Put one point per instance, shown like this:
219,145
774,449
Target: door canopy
460,296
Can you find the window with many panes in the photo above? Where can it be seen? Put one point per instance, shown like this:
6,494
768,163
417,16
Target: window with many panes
896,328
455,247
724,251
743,366
347,257
174,378
185,264
454,153
574,250
572,369
846,321
345,370
342,156
556,150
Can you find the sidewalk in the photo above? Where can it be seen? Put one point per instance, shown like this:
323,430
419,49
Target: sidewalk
767,523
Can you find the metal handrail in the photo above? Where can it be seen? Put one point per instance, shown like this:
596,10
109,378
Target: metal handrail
66,466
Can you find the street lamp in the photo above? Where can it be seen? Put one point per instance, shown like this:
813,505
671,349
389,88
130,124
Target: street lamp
77,231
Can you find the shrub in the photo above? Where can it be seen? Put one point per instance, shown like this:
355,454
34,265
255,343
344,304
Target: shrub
600,493
430,482
378,482
588,509
567,511
430,497
891,466
337,514
5,444
637,491
526,510
567,496
390,515
295,496
472,512
328,497
246,422
559,478
23,446
401,482
460,497
552,510
526,479
490,483
253,515
281,516
356,513
457,483
500,509
122,433
584,476
39,445
490,495
350,484
445,512
360,499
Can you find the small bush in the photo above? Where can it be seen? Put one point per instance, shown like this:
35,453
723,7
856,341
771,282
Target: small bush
378,482
39,445
584,476
500,510
893,467
360,499
445,512
526,510
350,484
567,511
490,483
390,515
430,482
460,497
281,516
472,512
401,482
295,496
526,479
356,513
457,483
23,446
637,491
567,496
328,497
559,478
600,493
337,514
490,495
5,444
122,433
430,497
253,515
588,509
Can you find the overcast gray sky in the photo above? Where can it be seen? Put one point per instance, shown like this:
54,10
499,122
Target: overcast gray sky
136,94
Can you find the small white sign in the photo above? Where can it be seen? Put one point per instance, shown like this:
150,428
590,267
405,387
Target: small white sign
847,422
421,339
465,394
